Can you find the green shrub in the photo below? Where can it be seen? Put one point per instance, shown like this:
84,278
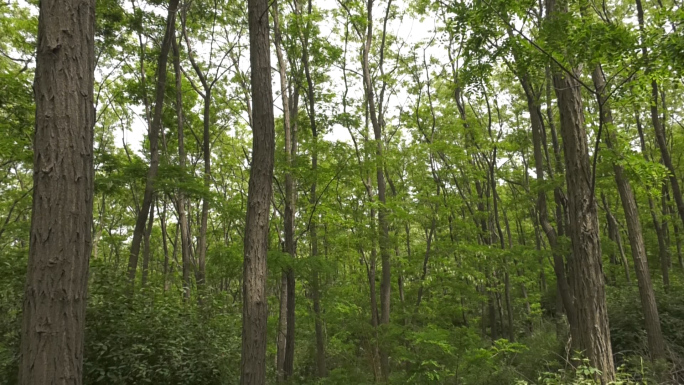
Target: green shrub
154,337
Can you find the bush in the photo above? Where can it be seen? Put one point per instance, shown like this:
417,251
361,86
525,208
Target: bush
156,338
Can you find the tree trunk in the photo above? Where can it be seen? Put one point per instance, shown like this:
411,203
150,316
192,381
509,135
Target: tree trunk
290,148
285,353
180,198
60,244
663,249
428,241
491,309
666,260
254,308
207,86
146,247
282,330
614,231
153,134
385,279
678,241
656,342
315,279
593,337
529,327
165,266
542,212
372,274
321,370
206,152
502,243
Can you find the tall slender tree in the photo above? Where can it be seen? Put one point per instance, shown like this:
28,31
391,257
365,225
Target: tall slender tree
153,133
313,198
375,113
656,342
254,310
287,280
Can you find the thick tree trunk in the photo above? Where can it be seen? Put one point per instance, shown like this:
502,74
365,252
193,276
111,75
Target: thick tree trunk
61,220
254,309
153,134
587,280
656,342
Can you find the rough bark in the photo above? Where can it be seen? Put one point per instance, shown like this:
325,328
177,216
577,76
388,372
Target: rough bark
254,310
60,244
656,342
586,273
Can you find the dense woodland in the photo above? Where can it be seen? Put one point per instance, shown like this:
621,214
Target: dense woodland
341,192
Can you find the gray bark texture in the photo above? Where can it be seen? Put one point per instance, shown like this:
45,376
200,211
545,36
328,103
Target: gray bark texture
656,342
592,335
60,245
254,310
